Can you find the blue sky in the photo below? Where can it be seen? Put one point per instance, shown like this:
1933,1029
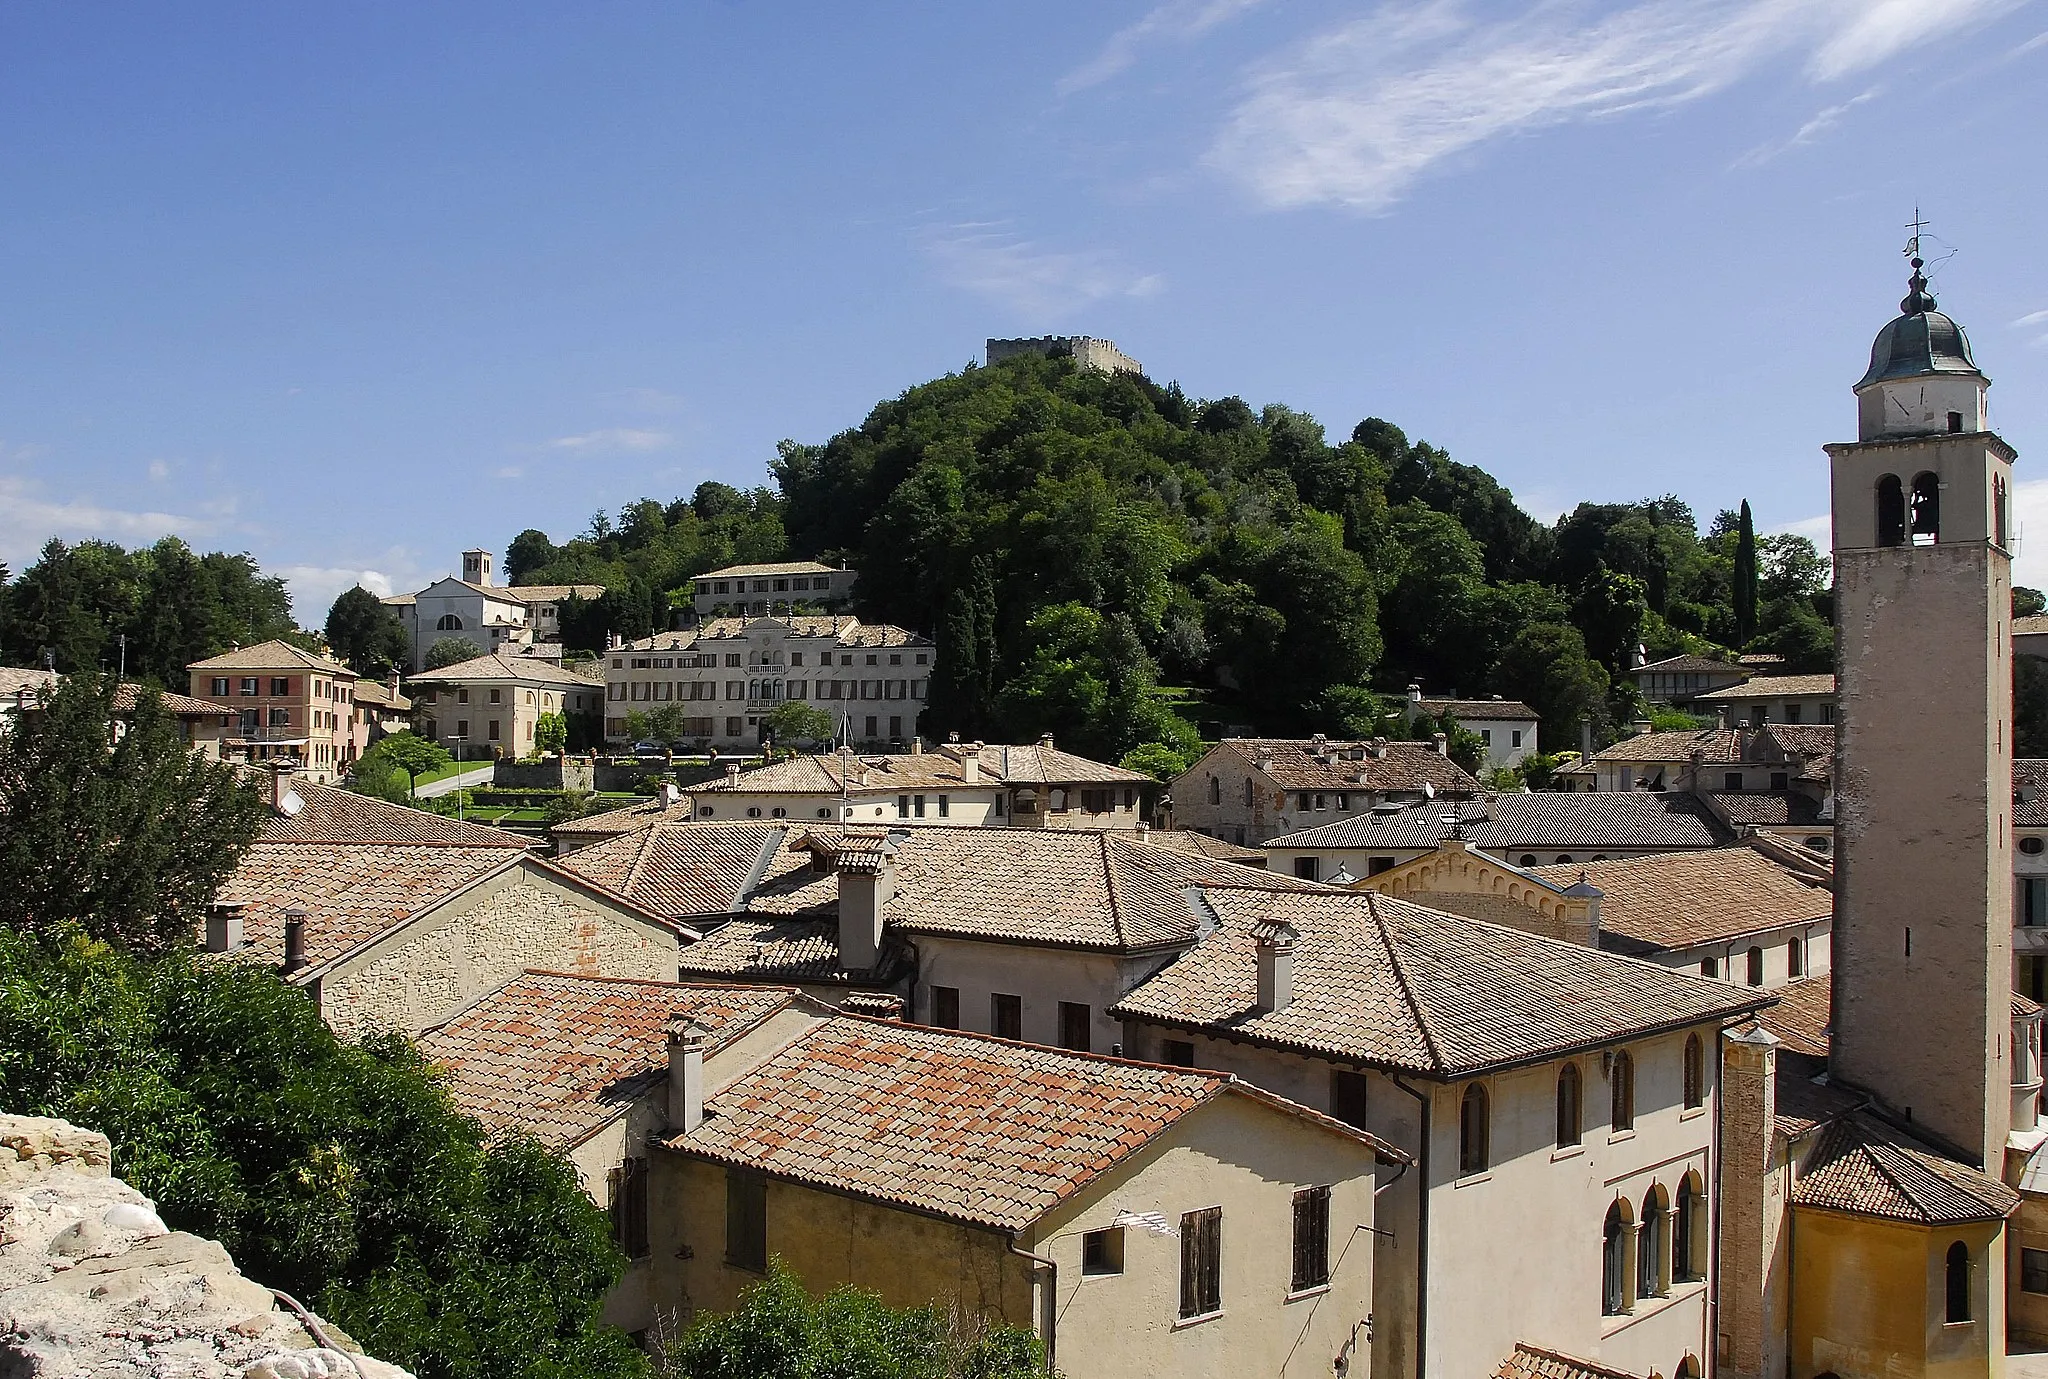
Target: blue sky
353,287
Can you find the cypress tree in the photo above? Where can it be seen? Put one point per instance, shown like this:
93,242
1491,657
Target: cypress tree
1745,578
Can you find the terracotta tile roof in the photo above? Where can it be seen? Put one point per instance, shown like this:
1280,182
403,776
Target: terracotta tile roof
783,567
1479,709
1068,888
1771,687
557,1056
1815,741
1680,899
1719,744
629,818
334,815
847,630
2024,1005
14,679
1040,763
966,1126
798,951
498,666
1767,809
1867,1167
1202,845
370,692
886,773
1568,820
351,891
1304,764
1529,1362
1399,986
273,656
1800,1018
1806,1102
1698,665
548,593
2030,791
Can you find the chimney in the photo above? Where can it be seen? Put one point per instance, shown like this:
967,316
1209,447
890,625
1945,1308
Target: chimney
867,883
281,789
1591,894
294,939
685,1075
1585,735
917,746
1443,744
970,767
1749,1113
732,774
1045,740
224,925
1379,749
1275,945
1721,717
669,794
1643,726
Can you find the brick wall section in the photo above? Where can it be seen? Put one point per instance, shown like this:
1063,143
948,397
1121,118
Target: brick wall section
1749,1227
420,982
1509,914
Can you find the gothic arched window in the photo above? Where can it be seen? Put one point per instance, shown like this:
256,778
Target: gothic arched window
1215,790
1891,511
1689,1231
1653,1242
1926,508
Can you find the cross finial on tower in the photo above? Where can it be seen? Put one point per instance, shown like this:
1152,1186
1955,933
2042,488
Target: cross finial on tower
1916,225
1917,298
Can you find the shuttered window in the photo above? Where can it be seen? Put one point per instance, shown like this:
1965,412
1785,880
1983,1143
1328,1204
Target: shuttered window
1201,1262
629,1208
1311,1238
746,1220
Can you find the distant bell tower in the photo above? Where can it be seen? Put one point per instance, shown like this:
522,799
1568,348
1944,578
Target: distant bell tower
1923,765
476,568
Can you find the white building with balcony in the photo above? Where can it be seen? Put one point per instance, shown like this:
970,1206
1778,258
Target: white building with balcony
728,674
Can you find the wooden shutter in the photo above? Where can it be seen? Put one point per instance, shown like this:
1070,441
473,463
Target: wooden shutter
1311,1238
746,1220
1201,1259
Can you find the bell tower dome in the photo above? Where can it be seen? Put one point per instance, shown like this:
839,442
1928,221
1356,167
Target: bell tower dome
1923,754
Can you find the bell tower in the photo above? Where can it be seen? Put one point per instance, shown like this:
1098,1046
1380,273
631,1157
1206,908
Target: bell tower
1923,759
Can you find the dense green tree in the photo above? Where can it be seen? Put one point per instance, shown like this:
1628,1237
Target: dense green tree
1792,628
407,753
1790,566
338,1172
1610,610
666,723
551,733
530,550
125,833
793,721
1745,582
1547,667
365,633
2027,603
1156,760
2029,706
780,1331
451,651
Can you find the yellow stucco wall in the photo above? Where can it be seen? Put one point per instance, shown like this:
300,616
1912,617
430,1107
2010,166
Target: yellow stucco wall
1868,1299
2028,1315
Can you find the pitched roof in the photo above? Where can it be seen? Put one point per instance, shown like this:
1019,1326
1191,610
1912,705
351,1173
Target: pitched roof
333,815
848,630
1587,820
272,655
557,1056
1681,899
1801,1016
498,666
1399,986
371,692
1717,744
629,818
1080,888
785,567
548,593
1479,708
1767,808
1305,764
1529,1362
2030,791
797,950
1864,1166
1038,763
1689,664
965,1126
15,679
1771,687
1202,845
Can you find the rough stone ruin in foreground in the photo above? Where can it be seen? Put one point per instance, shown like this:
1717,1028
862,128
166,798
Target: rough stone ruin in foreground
93,1283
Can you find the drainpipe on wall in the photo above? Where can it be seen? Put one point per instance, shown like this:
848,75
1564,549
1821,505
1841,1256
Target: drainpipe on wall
1421,1231
1052,1298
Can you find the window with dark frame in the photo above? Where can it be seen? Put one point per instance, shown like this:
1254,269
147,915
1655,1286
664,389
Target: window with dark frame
1474,1132
628,1209
1695,1073
1178,1052
946,1007
1347,1096
1074,1026
1006,1015
2033,1270
1311,1239
1958,1283
1570,1104
1622,1085
746,1220
1201,1262
1102,1252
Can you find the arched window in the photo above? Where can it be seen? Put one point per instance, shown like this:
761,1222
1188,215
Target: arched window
1570,1097
1688,1368
1999,505
1247,789
1653,1245
1622,1083
1926,508
1215,790
1695,1072
1527,859
1710,966
1617,1240
1473,1132
1795,956
1689,1231
1563,858
1959,1282
1756,965
1891,511
449,623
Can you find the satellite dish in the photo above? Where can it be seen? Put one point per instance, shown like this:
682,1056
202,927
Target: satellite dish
291,804
1428,791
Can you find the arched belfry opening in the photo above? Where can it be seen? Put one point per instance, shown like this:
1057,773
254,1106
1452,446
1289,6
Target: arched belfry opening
2001,510
1891,511
1926,508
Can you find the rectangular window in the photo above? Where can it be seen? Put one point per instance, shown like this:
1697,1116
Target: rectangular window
1781,780
1486,736
220,684
733,727
1102,1252
732,658
872,731
1073,1026
629,1208
945,806
895,660
280,718
251,686
746,1220
1517,741
895,726
1006,1015
462,728
1305,868
735,689
462,696
280,684
494,730
2033,1271
1347,1097
946,1007
1178,1052
916,804
1311,1238
1375,865
1201,1262
1792,713
796,658
497,696
1732,781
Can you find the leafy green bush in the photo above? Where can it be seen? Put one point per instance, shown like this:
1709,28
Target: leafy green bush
340,1172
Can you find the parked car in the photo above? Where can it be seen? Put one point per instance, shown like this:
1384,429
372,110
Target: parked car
647,749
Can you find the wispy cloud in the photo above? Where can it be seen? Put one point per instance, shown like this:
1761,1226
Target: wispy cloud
510,471
1035,281
612,438
648,399
1177,20
29,517
1813,130
159,471
2032,318
1355,115
314,588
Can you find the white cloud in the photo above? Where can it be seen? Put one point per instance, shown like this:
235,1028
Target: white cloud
613,438
1807,133
2032,318
29,518
314,588
510,471
1034,281
159,471
1180,20
1356,114
1819,530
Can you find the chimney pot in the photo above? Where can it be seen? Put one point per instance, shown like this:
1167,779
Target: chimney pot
224,926
1275,946
1045,739
1443,744
294,939
970,767
686,1040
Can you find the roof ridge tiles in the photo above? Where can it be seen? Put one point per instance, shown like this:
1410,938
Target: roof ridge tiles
1407,987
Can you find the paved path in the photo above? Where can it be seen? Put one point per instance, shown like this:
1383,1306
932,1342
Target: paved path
2023,1361
467,780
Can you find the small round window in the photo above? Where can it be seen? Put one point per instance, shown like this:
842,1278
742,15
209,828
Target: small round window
1820,844
781,813
754,811
2030,846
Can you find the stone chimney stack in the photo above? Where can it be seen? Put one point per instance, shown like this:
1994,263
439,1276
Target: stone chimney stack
1586,735
294,939
867,883
1275,947
1045,741
685,1075
1749,1226
224,925
732,774
281,791
1721,717
1442,743
970,767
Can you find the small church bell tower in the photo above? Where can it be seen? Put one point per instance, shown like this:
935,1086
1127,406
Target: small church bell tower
1923,766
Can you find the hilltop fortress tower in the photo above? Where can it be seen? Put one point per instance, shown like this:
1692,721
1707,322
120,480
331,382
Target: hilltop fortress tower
1090,353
